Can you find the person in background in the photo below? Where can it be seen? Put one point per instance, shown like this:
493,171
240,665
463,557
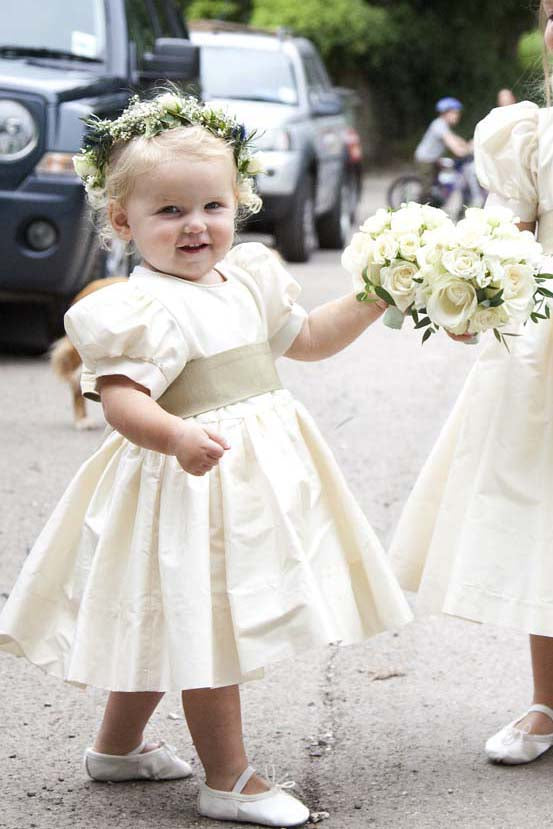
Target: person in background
505,97
437,141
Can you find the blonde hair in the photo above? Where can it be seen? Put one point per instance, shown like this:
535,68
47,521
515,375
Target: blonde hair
142,154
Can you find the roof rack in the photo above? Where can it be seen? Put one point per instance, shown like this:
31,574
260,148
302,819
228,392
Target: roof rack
208,25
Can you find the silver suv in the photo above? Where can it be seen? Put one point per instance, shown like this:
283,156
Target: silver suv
278,86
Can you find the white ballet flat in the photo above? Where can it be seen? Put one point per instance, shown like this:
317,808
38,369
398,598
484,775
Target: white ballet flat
512,746
159,764
271,808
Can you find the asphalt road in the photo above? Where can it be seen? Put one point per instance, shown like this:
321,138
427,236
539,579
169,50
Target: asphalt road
401,751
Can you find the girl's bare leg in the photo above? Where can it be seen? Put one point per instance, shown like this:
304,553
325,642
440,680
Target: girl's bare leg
124,721
541,648
214,718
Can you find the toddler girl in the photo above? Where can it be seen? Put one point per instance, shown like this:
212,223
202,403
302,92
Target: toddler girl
212,533
476,537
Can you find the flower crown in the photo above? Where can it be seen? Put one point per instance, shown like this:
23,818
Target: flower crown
150,118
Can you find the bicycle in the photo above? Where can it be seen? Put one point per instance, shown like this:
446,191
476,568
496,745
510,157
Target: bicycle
450,189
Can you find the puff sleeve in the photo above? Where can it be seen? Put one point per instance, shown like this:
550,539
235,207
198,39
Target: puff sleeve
506,158
278,291
122,330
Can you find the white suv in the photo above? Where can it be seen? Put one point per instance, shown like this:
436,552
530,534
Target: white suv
278,86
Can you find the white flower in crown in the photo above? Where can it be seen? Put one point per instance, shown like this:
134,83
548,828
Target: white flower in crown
84,166
255,166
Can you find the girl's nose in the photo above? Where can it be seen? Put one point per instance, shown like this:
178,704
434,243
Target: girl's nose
194,223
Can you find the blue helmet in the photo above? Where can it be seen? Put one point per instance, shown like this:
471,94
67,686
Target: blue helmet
445,104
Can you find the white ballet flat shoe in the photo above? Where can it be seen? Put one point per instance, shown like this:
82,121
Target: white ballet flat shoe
271,808
512,746
161,763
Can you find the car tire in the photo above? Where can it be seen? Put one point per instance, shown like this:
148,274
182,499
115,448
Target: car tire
334,228
295,235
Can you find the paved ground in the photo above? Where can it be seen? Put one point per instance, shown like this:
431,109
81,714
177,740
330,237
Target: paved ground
391,753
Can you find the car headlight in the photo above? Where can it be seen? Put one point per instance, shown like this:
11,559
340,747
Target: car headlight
56,164
277,140
18,131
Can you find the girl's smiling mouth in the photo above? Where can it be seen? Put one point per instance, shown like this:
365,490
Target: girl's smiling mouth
195,248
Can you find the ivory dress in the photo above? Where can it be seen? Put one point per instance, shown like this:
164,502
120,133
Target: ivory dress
476,536
148,578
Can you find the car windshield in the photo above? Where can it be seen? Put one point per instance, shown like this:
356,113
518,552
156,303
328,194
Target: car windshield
247,74
73,29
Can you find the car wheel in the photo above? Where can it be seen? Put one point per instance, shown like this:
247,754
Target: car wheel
334,228
296,236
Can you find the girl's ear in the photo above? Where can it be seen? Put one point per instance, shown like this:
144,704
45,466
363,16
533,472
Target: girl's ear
119,220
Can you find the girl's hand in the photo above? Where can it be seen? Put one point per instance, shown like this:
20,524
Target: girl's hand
197,449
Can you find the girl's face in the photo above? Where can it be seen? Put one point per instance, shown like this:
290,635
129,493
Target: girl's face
548,37
180,216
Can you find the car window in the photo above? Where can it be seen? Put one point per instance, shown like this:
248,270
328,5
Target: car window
247,74
76,28
315,73
150,19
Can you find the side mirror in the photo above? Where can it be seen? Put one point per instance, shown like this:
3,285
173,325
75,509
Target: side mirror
326,103
173,59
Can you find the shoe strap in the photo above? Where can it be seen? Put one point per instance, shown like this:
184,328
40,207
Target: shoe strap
542,709
243,779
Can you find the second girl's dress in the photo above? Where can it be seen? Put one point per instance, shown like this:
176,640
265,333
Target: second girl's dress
147,578
476,535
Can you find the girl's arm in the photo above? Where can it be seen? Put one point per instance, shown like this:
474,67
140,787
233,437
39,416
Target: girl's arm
333,326
131,411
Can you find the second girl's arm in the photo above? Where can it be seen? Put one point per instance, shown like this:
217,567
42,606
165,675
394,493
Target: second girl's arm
333,326
129,408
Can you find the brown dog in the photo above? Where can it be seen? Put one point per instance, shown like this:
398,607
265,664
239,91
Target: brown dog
66,362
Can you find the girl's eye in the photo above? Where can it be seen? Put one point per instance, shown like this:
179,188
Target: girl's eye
171,210
213,205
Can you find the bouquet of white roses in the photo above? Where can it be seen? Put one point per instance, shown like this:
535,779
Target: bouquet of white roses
480,274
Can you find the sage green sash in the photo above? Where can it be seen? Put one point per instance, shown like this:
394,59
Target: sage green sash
228,377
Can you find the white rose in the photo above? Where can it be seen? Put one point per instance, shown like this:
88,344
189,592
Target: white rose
493,271
519,289
430,256
442,235
409,244
471,234
169,101
506,231
407,219
385,248
377,223
397,279
485,318
433,217
466,264
523,248
452,303
356,257
477,215
255,165
496,215
84,166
